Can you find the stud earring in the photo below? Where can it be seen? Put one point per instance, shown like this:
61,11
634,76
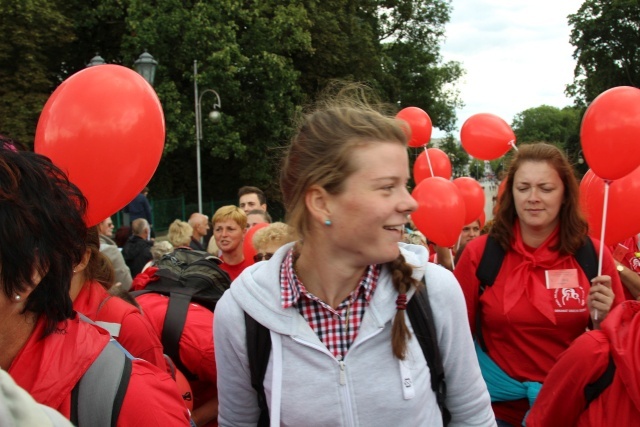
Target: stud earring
327,222
17,297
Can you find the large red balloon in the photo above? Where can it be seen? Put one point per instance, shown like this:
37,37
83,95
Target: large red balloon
440,164
623,216
610,132
248,249
441,212
105,128
473,196
419,124
486,136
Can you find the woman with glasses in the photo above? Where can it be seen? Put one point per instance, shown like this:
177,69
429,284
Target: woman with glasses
269,239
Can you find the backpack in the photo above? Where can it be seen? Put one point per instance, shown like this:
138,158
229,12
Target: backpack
96,400
491,262
185,276
421,317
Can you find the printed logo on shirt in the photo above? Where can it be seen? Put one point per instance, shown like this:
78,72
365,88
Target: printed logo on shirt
634,263
570,300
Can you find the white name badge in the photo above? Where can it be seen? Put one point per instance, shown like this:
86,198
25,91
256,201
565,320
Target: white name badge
562,278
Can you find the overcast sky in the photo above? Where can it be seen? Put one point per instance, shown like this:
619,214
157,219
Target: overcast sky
516,54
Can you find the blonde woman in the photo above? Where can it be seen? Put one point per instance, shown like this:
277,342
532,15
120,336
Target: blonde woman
334,301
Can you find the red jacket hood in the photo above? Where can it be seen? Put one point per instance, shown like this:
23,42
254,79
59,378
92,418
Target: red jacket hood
622,328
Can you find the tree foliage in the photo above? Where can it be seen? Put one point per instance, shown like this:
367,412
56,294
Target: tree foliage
266,59
606,36
457,155
546,124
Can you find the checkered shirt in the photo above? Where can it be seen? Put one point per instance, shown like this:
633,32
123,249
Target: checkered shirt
330,325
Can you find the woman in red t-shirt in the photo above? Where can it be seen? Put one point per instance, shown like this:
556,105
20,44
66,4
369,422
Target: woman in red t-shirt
541,300
124,321
229,228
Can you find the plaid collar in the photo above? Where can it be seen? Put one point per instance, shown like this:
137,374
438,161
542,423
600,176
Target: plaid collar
292,289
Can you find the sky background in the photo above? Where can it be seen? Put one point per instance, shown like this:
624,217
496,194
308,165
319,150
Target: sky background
516,54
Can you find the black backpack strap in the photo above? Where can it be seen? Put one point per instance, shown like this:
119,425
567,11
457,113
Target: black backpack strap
172,328
421,318
490,263
587,257
487,271
96,400
595,389
258,350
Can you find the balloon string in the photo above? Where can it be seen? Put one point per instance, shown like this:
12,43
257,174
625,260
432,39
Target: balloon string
602,233
453,264
426,153
512,143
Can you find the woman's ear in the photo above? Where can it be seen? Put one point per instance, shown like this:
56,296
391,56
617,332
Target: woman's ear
318,204
83,262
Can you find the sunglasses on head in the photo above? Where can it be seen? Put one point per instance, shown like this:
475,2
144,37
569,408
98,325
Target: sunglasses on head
260,257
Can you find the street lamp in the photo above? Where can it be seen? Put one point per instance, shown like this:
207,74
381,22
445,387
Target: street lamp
146,66
214,115
96,60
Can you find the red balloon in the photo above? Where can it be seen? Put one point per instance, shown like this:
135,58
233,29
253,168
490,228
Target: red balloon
419,124
486,136
441,212
610,132
104,127
247,245
439,162
623,217
473,196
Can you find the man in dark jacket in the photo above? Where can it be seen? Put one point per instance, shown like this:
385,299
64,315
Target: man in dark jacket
137,250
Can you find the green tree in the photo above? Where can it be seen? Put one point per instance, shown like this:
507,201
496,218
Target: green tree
34,33
457,155
265,58
606,36
546,124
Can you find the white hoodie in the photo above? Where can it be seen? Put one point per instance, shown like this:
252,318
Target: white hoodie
305,385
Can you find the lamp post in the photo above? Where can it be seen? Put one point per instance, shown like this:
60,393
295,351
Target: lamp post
214,115
96,60
145,65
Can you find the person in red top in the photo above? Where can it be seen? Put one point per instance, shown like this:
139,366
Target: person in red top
628,265
45,347
229,228
561,401
91,279
195,349
541,300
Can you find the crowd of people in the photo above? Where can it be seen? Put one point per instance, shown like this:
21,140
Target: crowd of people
312,321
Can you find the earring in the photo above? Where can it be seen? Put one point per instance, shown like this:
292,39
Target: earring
17,297
327,222
74,270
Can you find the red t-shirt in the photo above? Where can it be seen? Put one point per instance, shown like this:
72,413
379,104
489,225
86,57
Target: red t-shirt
523,342
196,343
235,270
136,333
49,368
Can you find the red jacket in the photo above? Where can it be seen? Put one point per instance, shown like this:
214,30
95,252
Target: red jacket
523,342
561,401
49,368
135,332
196,343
